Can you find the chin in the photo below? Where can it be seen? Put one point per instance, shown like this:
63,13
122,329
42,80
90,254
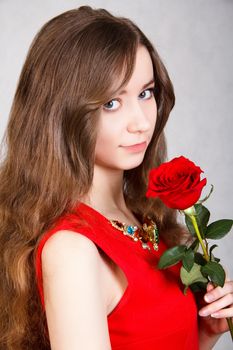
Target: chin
133,165
128,164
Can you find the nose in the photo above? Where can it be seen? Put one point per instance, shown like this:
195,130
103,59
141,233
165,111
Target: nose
138,119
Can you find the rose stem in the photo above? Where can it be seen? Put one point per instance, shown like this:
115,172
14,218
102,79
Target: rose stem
194,222
230,326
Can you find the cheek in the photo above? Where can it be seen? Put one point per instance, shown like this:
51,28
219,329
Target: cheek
106,150
103,143
110,130
108,138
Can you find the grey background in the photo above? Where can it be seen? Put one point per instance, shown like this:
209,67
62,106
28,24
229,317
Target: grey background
194,39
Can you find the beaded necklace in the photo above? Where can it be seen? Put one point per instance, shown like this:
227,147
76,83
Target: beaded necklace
148,233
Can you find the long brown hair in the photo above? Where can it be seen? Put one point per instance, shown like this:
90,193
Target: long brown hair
72,68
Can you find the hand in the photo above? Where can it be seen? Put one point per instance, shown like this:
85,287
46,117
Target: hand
218,306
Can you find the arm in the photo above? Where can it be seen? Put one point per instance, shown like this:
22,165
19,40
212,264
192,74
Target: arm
74,298
212,316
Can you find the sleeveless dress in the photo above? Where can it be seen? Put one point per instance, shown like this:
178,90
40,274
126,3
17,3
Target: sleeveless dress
153,313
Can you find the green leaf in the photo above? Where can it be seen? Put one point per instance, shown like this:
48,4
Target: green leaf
199,259
193,276
211,249
171,256
188,260
212,257
198,286
189,225
203,216
215,272
219,229
215,259
194,246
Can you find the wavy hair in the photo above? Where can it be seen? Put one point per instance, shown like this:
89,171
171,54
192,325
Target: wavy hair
72,69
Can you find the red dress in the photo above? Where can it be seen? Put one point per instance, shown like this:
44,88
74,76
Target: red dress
153,313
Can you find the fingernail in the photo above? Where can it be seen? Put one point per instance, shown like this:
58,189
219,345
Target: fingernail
214,314
203,313
208,298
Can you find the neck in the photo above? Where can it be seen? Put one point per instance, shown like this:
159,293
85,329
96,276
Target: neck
106,193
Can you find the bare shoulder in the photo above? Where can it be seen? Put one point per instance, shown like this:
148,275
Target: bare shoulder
67,243
74,297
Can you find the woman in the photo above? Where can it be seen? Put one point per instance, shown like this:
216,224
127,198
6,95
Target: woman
86,126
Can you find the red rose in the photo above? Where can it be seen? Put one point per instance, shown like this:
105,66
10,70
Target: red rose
177,183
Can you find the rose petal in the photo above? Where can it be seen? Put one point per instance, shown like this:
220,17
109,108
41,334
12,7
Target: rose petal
177,183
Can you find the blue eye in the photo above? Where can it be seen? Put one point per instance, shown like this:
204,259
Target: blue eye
147,94
111,105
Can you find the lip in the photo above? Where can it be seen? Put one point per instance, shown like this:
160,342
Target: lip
139,147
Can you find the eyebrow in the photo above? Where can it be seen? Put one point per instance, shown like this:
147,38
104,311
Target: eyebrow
122,92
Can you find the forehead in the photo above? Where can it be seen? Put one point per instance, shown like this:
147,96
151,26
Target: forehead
143,62
143,73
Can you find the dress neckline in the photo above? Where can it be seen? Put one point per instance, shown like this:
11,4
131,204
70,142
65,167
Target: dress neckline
150,233
98,213
93,211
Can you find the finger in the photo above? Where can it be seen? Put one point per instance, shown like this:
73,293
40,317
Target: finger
224,313
218,305
209,287
219,292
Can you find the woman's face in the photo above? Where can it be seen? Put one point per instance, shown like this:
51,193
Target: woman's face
127,121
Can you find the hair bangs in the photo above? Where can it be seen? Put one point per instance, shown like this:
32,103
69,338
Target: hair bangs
111,61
